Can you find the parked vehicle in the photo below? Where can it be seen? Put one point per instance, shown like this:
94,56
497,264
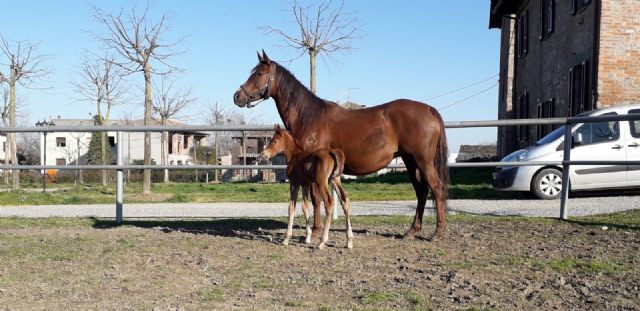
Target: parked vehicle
611,141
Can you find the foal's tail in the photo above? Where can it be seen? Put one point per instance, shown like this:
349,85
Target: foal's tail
442,155
338,162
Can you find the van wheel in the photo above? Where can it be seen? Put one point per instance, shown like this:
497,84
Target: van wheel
547,184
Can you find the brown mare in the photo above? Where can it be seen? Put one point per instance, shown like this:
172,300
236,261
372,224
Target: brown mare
311,169
370,138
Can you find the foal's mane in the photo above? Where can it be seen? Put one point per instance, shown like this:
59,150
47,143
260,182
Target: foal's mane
296,95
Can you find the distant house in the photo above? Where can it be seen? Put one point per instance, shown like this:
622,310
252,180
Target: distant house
247,149
70,148
560,58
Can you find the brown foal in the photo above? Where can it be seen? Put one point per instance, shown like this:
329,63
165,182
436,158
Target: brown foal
311,171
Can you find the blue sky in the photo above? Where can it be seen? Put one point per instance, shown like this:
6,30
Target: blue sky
409,49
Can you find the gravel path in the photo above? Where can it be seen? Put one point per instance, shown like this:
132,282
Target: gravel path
537,208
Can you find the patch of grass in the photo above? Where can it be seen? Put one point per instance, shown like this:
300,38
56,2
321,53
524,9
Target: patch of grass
568,264
214,295
278,256
624,220
295,303
377,297
178,198
411,296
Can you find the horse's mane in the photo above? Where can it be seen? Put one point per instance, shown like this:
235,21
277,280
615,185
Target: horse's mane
295,94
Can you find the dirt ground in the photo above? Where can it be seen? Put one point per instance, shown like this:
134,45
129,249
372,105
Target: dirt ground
483,264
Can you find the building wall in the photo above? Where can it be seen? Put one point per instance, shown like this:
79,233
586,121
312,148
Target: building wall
619,62
544,72
506,137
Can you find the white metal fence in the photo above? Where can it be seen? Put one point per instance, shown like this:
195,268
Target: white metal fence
120,167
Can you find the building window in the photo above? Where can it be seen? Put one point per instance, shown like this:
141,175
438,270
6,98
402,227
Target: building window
112,141
579,89
546,109
547,7
523,113
578,5
61,161
61,141
522,34
4,146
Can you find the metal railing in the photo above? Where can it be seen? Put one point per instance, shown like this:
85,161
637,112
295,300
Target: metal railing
120,167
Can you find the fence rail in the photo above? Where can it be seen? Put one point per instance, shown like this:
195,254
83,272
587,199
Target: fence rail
119,167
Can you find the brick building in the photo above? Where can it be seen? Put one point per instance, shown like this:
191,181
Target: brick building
559,58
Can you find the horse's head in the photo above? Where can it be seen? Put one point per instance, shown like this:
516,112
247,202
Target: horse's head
258,85
278,143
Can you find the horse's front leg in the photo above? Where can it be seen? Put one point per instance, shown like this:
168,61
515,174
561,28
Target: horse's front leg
293,189
305,210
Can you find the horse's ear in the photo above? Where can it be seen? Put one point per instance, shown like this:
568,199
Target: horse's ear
260,59
277,128
265,58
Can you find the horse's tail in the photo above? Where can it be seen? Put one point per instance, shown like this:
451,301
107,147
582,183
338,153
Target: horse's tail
442,155
338,162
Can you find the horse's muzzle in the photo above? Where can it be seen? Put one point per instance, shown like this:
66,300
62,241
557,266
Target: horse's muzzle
240,99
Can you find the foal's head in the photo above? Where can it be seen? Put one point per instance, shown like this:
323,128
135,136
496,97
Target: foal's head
282,141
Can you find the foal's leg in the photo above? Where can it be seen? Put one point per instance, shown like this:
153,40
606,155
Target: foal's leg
317,214
293,189
346,207
305,210
421,190
328,206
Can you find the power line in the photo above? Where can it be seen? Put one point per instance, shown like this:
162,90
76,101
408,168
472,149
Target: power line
467,98
461,88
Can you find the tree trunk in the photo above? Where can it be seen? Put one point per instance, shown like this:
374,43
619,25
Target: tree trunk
11,137
164,145
146,180
103,155
216,172
312,71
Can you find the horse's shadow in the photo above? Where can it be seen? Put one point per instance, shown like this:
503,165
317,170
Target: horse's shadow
243,228
256,229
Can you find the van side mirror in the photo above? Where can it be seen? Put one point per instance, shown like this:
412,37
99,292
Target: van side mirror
577,139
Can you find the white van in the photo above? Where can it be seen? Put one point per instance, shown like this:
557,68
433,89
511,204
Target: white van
609,141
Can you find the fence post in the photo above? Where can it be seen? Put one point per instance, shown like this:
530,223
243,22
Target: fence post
568,141
119,179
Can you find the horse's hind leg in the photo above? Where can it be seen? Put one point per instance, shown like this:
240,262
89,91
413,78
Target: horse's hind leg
292,212
421,189
438,188
429,173
346,207
305,211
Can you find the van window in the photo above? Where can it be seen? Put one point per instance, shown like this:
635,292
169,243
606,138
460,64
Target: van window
634,124
593,133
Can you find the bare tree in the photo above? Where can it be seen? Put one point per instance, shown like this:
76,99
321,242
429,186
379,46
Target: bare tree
99,82
215,115
25,67
322,31
137,40
169,102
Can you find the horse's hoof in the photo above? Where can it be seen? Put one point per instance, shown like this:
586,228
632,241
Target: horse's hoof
307,240
285,242
350,244
316,232
410,234
321,245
